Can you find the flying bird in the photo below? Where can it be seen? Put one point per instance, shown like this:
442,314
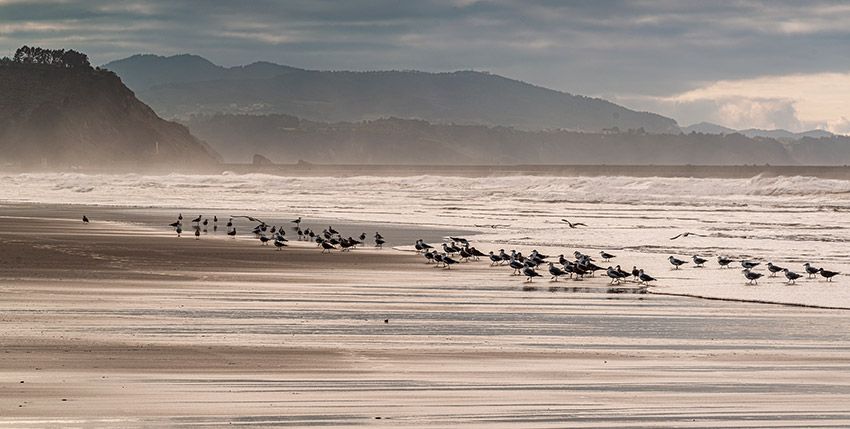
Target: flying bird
573,225
252,219
686,234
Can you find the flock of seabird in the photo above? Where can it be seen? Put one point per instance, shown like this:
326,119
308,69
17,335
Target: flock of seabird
328,239
751,275
458,250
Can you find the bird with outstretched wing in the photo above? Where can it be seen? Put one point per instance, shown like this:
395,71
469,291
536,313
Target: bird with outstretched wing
686,234
573,225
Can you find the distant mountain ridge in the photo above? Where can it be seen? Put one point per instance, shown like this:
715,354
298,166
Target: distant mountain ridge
183,85
785,135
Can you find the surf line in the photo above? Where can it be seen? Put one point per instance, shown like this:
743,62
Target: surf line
751,301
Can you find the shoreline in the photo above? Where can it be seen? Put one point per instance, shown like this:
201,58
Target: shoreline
838,172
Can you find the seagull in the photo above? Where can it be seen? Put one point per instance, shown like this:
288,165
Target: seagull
636,272
85,219
645,278
179,216
197,219
517,266
774,269
476,254
828,274
451,250
791,276
724,261
676,262
460,240
686,234
505,257
614,274
606,256
179,230
264,241
429,256
346,244
438,258
749,264
232,233
252,219
573,225
327,247
530,273
379,243
464,254
175,224
197,233
752,276
297,222
332,230
448,262
229,223
555,271
279,244
810,270
699,261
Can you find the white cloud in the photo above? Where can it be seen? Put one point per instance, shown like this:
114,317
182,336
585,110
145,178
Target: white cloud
794,102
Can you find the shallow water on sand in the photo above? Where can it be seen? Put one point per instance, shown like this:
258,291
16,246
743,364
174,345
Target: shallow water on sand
134,327
786,220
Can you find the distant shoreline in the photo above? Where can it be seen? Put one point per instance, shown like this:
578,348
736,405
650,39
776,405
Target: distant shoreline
402,170
694,171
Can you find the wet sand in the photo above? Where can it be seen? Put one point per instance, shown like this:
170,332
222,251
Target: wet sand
118,324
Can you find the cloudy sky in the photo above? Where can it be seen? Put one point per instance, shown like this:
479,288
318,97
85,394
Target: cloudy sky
771,64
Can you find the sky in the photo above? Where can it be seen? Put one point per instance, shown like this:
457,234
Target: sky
741,64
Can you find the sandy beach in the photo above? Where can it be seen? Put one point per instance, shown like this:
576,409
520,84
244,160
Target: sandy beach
121,324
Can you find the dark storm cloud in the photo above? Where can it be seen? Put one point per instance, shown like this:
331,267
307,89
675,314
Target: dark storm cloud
607,48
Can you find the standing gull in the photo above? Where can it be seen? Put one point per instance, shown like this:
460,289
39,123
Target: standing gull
774,269
811,270
828,274
752,276
555,271
676,262
791,276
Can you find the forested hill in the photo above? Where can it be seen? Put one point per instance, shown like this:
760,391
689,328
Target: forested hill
56,111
